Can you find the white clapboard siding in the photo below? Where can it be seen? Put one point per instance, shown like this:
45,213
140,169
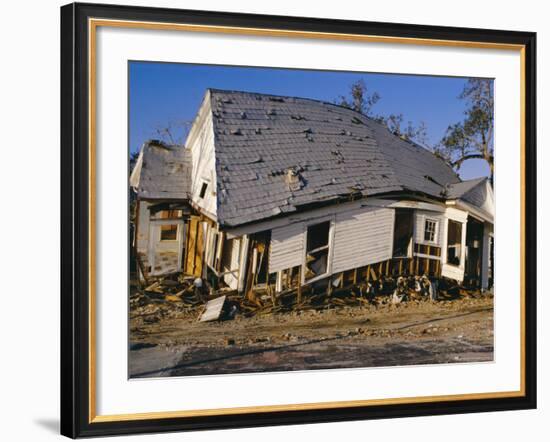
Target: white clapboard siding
287,247
362,237
419,221
203,161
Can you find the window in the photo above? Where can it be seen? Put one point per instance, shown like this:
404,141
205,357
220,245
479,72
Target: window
430,230
317,249
454,243
203,190
169,232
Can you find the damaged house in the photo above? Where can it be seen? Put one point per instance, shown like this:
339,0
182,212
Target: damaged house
283,192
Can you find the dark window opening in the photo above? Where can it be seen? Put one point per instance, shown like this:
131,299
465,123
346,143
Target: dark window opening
317,249
454,242
169,232
402,233
203,190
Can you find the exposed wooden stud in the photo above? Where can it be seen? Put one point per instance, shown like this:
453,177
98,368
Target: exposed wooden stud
427,269
373,274
299,285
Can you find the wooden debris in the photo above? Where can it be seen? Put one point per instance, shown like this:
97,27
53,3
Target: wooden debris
213,309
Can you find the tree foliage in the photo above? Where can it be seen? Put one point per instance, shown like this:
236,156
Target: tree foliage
471,138
359,98
362,100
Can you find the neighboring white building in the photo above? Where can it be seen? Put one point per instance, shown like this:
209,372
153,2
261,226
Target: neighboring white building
291,191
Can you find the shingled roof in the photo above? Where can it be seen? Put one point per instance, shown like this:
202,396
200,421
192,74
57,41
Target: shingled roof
277,155
162,171
460,190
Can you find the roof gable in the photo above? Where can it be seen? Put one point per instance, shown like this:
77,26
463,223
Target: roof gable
162,172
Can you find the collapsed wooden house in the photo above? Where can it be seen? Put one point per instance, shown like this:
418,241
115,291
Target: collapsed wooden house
286,192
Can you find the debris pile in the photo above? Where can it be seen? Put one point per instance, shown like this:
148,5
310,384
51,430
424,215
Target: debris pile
180,295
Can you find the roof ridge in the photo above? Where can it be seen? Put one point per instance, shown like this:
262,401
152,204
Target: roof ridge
294,97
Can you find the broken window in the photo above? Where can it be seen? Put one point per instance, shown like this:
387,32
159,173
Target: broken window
454,242
402,232
203,190
169,232
317,248
430,229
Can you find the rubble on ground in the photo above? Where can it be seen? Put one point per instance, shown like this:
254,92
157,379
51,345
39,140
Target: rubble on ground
178,295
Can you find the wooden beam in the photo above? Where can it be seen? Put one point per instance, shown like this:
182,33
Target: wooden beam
299,284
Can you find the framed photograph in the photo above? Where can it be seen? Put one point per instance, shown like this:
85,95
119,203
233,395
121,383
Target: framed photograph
275,220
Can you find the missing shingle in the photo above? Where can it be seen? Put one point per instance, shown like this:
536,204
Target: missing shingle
276,99
236,132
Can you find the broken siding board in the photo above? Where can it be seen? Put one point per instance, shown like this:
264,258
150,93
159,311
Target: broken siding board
287,247
362,237
213,310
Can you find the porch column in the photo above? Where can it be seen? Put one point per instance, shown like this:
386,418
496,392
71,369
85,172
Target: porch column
485,256
463,246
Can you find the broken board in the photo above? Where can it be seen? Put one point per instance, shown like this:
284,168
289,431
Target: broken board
213,310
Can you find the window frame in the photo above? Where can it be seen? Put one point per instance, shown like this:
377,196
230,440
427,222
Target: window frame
461,246
435,230
327,247
168,225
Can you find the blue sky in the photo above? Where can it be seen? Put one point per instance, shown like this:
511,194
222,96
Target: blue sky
169,93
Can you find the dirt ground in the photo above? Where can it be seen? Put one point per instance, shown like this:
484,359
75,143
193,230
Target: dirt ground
167,340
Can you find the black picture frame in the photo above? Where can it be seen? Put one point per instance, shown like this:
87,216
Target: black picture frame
75,221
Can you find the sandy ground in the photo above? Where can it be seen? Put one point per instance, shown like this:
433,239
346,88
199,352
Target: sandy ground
167,340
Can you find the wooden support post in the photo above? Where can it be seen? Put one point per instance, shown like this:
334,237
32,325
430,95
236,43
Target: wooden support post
387,267
355,276
417,265
400,266
329,288
368,273
279,282
300,285
427,269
